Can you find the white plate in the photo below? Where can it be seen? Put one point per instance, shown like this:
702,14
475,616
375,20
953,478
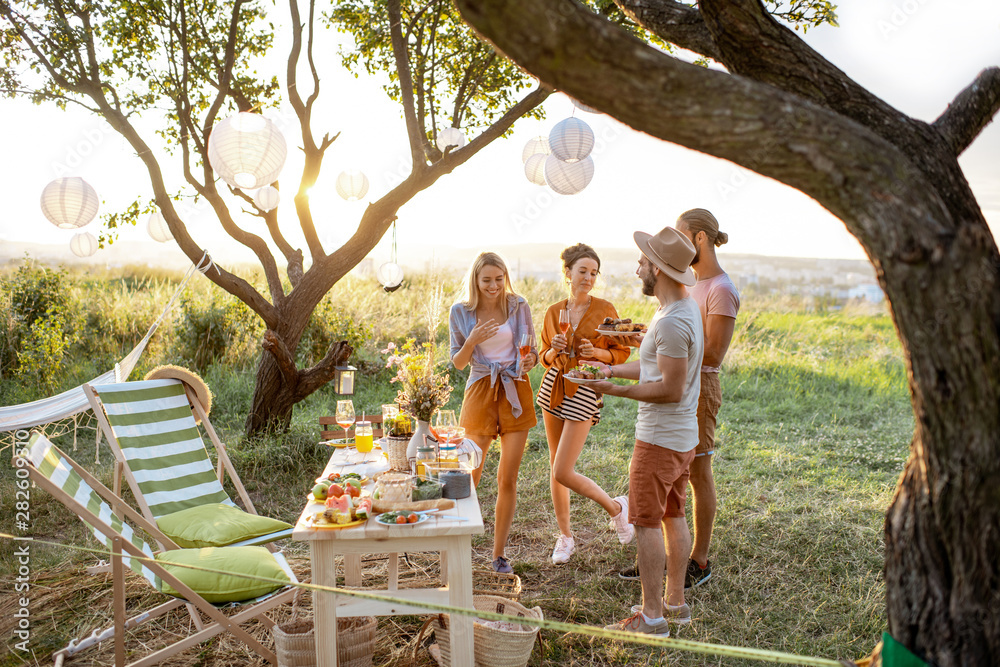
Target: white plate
423,517
580,380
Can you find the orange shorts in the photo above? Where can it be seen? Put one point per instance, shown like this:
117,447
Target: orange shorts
487,412
657,483
708,410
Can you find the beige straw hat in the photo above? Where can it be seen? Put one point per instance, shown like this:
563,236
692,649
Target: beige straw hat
670,251
189,378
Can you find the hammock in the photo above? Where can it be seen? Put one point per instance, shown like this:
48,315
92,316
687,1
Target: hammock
74,401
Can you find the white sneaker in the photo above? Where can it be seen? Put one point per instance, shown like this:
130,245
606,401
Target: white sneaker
625,530
565,546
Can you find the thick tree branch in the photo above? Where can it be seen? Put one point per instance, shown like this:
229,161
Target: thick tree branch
971,111
286,363
753,44
313,378
413,125
672,22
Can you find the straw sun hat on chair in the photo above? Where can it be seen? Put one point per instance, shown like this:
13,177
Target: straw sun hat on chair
189,378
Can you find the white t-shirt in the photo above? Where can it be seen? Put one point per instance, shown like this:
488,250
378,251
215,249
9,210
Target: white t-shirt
716,296
675,331
500,348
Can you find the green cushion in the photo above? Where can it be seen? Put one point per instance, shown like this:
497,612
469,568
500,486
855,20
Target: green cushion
216,525
218,588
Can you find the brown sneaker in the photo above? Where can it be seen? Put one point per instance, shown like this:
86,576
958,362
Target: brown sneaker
638,624
679,615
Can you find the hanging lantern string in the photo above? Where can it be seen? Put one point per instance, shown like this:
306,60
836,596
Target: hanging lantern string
394,242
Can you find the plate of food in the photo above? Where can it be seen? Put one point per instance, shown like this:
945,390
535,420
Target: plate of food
401,518
620,327
320,522
342,477
338,443
583,374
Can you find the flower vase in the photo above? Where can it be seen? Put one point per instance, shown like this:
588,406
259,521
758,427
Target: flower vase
422,430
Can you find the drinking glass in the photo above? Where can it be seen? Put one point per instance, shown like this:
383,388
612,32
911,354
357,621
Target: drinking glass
564,328
363,438
444,424
345,415
524,347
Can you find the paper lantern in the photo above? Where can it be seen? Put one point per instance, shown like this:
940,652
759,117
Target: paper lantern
583,107
69,203
83,244
247,151
390,276
538,145
157,228
352,185
571,140
267,198
534,168
568,178
450,136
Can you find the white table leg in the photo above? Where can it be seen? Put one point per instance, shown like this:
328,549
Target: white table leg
457,557
324,573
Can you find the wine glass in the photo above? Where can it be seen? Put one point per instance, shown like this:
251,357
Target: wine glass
564,327
444,424
345,415
524,347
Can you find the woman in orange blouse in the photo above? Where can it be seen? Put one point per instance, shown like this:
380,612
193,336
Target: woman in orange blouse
569,409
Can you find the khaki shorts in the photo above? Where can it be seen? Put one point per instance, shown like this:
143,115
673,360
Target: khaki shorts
487,412
708,410
657,482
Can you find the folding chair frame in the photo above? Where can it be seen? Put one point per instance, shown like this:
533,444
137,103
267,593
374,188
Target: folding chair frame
224,466
196,603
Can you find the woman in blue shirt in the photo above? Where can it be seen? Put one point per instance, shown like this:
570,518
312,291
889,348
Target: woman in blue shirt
486,329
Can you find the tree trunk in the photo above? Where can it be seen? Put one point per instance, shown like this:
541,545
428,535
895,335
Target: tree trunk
897,185
271,406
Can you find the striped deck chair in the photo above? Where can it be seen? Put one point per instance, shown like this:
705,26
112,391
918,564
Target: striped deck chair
105,514
151,428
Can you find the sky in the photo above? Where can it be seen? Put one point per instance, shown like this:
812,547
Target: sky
915,54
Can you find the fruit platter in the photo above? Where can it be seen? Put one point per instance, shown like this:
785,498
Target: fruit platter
620,327
343,504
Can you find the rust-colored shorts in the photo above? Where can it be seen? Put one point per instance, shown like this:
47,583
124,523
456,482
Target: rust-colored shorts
487,412
657,482
708,410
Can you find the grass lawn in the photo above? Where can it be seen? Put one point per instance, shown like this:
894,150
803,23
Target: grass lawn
813,433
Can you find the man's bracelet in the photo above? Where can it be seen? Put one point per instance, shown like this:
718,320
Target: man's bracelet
611,371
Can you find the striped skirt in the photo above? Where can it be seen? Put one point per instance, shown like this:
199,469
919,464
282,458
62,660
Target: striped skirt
584,405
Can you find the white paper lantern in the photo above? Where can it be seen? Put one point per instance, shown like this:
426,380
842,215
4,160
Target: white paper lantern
267,198
247,151
534,168
390,276
157,228
583,107
450,136
538,145
69,203
568,178
352,185
571,140
83,244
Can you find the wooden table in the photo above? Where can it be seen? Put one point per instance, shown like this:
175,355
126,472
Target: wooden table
453,539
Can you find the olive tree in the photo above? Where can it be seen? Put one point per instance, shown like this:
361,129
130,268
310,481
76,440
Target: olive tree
192,63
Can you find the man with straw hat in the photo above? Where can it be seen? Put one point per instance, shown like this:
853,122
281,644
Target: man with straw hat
666,431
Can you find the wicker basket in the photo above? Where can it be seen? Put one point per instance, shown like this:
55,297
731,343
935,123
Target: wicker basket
395,449
295,642
493,647
488,582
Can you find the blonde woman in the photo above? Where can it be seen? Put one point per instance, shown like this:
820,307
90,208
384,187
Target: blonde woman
486,330
569,410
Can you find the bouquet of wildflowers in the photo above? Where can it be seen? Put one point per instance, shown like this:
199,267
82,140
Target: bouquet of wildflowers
421,391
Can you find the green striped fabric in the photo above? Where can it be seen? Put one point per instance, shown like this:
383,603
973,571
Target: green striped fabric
51,463
159,439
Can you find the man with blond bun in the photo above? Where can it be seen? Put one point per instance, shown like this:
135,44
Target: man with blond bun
719,302
666,430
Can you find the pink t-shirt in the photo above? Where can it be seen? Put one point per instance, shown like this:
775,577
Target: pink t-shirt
716,296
